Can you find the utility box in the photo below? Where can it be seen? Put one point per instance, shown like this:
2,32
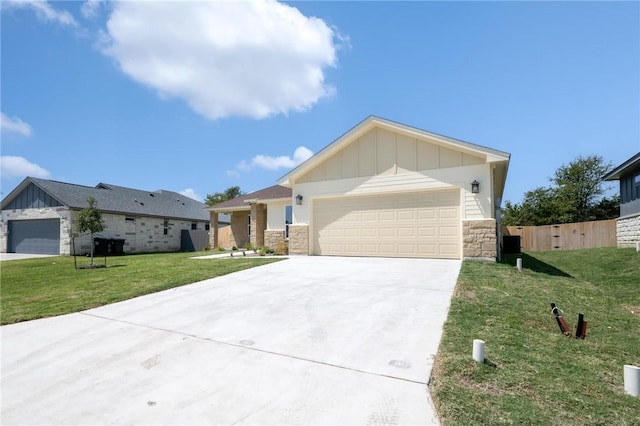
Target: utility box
511,244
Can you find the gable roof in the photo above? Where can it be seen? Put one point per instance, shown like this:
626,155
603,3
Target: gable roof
631,165
490,155
118,199
241,202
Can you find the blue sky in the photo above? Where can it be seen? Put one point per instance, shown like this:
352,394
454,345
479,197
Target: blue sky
195,97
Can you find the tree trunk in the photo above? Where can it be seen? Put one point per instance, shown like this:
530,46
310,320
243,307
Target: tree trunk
92,247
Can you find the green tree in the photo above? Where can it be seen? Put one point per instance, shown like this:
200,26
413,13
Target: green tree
90,220
218,197
573,197
579,185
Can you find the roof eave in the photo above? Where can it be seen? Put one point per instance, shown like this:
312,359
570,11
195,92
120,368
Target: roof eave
617,172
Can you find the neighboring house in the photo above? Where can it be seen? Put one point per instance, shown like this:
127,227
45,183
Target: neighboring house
381,189
628,224
38,217
260,218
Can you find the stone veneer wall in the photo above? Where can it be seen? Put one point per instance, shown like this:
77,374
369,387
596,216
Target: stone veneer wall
62,213
628,231
272,238
239,237
479,238
258,224
142,234
299,239
213,230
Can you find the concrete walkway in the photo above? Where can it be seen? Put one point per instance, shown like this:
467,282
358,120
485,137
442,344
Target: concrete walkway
309,340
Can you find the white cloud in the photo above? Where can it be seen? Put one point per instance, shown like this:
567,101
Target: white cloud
189,192
14,125
21,167
43,10
225,58
91,8
232,173
274,163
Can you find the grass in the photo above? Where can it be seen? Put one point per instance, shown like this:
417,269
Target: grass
38,288
532,374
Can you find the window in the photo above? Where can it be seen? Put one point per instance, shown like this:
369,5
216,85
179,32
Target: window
636,182
166,227
288,219
194,226
249,225
207,227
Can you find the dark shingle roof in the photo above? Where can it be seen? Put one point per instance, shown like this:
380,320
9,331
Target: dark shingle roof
119,199
270,193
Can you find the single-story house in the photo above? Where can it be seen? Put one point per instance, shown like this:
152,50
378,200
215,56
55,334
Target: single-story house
628,224
38,217
381,189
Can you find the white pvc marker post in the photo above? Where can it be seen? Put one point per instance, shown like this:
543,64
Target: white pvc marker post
638,246
632,380
519,264
478,351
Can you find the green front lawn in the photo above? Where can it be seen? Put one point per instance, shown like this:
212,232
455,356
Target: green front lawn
533,375
37,288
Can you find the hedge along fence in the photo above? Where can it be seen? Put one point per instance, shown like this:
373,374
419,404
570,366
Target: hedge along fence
566,236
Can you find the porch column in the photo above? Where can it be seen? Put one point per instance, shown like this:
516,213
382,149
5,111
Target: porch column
258,224
213,230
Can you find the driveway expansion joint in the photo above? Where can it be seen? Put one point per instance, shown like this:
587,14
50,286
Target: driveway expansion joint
237,345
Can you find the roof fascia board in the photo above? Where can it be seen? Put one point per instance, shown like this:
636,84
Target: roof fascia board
228,209
616,173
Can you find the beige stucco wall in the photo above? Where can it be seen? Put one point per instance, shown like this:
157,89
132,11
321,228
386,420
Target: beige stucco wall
275,214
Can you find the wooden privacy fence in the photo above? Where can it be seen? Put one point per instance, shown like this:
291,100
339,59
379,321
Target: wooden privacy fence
567,236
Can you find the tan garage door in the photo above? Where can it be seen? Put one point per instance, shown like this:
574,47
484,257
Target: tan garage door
423,224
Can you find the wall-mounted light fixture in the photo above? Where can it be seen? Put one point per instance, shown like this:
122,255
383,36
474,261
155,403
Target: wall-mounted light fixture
299,200
475,187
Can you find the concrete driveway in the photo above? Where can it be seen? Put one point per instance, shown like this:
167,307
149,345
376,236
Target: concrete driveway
309,340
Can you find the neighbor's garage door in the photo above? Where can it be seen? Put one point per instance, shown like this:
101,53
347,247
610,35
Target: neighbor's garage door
34,236
424,224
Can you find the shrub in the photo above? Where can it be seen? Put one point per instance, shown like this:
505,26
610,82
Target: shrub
282,248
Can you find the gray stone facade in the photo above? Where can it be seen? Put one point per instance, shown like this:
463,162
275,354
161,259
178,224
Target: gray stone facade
628,231
141,234
479,239
299,239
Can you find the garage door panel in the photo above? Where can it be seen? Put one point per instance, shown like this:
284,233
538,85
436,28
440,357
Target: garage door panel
387,232
448,213
427,214
398,225
387,216
448,231
38,236
406,215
